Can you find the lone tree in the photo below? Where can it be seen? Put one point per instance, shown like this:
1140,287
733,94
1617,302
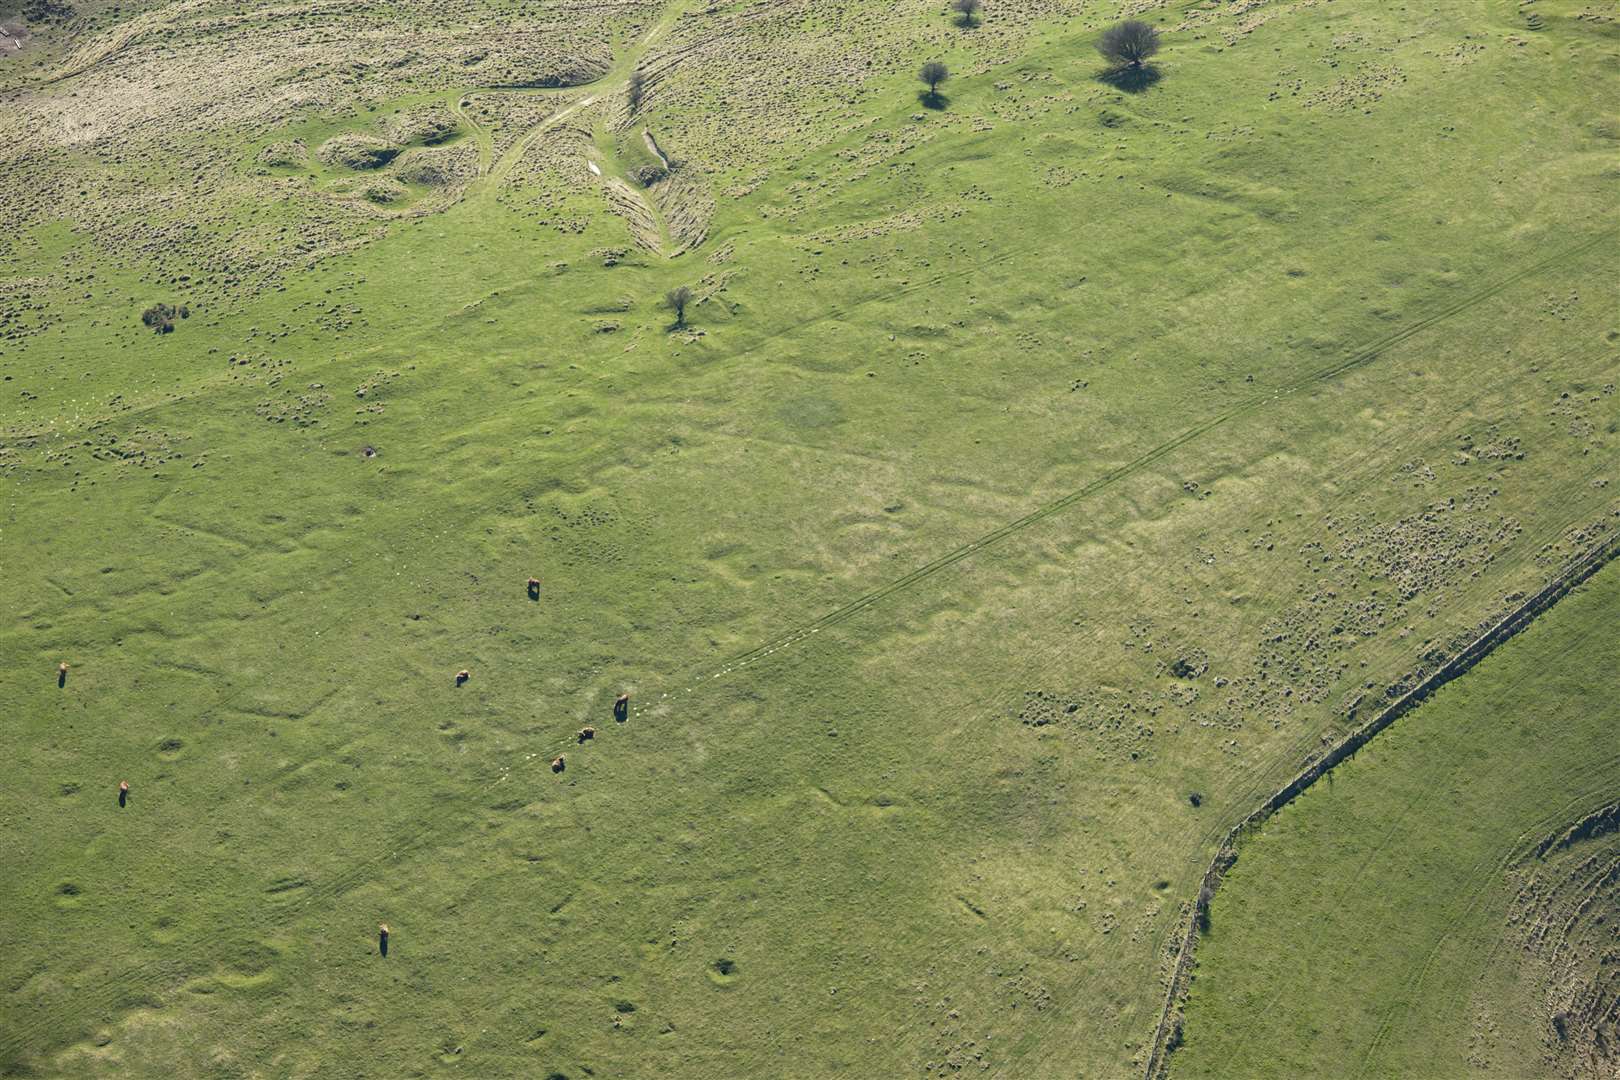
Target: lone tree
933,73
677,299
967,9
1128,44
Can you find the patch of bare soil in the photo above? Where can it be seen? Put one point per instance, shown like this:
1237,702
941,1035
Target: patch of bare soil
13,36
1565,923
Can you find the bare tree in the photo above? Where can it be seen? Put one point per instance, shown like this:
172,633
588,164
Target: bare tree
933,73
1128,44
967,9
677,299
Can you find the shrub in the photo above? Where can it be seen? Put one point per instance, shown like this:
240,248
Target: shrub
160,317
648,175
1206,896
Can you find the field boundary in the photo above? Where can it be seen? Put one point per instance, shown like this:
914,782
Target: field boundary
1167,1036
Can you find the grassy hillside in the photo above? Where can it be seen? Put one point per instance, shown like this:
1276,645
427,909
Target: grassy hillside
1444,907
1029,466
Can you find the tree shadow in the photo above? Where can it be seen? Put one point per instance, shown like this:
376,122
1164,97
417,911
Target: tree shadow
1132,80
968,22
933,99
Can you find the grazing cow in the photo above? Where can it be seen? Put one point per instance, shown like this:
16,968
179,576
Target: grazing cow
61,673
534,588
382,938
559,763
586,734
462,676
621,706
123,792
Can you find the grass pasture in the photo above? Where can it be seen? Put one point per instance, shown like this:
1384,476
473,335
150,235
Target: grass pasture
1442,908
1029,466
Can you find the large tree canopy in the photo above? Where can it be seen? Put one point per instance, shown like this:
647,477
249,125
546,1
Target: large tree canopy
1129,43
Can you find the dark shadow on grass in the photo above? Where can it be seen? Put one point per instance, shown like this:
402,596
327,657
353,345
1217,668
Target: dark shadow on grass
1132,80
933,99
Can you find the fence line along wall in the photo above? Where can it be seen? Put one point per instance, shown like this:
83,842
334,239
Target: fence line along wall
1167,1035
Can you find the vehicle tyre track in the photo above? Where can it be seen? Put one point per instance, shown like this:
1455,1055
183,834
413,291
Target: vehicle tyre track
1362,356
107,990
1502,630
1464,910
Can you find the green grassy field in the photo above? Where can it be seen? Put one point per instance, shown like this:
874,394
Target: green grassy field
1436,910
1029,466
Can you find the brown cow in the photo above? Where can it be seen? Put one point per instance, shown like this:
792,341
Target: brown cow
534,588
462,676
559,763
586,734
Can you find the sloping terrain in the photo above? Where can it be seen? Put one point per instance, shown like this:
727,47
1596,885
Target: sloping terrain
1447,905
1037,482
